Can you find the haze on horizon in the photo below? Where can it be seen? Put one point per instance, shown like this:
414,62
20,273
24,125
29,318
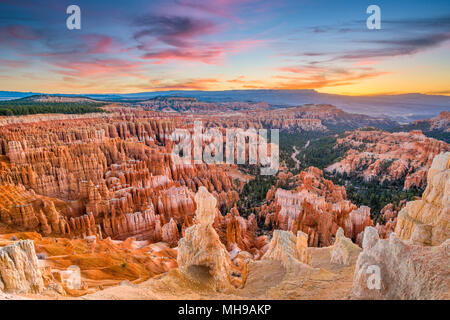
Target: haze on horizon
224,45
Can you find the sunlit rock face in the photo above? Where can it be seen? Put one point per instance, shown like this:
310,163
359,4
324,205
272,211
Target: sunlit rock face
413,263
76,176
395,269
427,221
441,122
318,208
342,249
201,255
290,250
389,156
24,209
19,268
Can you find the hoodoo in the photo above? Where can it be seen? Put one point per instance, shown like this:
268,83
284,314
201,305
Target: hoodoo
201,255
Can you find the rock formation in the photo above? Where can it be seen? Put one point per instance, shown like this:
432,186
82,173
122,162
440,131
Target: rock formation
427,221
393,269
114,177
316,207
19,268
400,156
288,249
342,249
104,192
389,214
201,255
302,247
439,123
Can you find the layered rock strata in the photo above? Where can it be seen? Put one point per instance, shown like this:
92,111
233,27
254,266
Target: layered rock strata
19,268
394,269
400,156
316,207
427,221
290,250
343,249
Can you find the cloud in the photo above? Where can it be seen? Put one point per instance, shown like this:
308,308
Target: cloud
439,92
168,38
208,53
222,8
98,43
304,69
13,64
422,23
99,68
398,47
191,84
310,77
22,32
173,30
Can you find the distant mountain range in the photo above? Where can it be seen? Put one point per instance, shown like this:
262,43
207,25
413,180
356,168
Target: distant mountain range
402,108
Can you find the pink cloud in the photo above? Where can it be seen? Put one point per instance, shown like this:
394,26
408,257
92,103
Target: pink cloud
303,70
22,32
14,64
321,75
365,63
177,31
99,43
202,52
100,67
190,84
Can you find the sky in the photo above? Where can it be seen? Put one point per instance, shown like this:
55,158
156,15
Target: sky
144,45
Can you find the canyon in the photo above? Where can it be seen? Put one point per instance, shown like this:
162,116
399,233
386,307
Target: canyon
376,154
104,192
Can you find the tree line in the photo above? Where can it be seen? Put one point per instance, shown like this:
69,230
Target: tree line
18,108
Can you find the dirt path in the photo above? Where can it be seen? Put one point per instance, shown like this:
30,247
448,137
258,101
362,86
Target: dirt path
294,157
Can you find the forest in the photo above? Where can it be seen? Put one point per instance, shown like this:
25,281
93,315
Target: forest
374,193
23,107
315,149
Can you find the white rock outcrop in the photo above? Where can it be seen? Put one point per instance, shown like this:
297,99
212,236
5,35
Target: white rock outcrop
427,221
288,249
395,269
19,268
343,249
202,257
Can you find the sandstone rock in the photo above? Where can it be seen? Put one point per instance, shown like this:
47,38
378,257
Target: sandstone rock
283,247
441,122
433,210
115,169
302,246
201,255
318,208
389,156
360,218
343,248
19,269
393,269
170,233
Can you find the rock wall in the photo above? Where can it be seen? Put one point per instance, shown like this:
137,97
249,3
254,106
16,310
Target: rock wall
342,249
400,156
318,208
427,221
19,268
394,269
290,250
106,178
